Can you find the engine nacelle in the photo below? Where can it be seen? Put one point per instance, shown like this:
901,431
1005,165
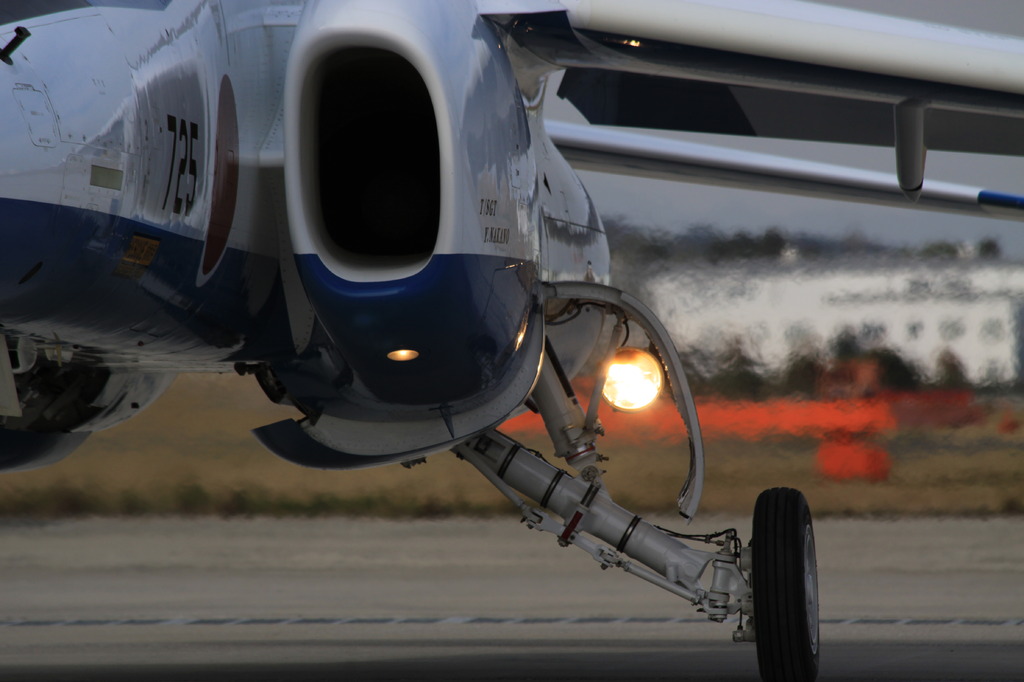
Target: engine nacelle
411,190
62,404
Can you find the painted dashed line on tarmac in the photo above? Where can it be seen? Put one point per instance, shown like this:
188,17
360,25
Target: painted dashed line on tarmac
477,620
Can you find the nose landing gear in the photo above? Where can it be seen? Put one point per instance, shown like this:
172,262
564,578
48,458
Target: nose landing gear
768,589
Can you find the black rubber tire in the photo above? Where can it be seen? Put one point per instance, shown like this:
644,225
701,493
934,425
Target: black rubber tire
784,578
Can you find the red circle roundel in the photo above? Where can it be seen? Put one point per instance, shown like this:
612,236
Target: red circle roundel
225,177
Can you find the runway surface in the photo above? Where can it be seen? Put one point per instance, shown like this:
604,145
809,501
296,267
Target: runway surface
354,599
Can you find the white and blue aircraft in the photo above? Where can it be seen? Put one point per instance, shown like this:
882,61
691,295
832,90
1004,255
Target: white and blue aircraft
360,203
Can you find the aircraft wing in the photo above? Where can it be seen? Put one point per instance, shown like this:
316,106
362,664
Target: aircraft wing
783,69
649,156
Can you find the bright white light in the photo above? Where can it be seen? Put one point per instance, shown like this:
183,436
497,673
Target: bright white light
633,381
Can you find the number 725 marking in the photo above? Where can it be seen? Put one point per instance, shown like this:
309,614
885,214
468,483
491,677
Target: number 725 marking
183,164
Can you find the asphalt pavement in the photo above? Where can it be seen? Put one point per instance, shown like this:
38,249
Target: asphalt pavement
354,599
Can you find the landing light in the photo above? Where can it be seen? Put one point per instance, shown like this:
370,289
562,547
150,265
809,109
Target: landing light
633,381
403,355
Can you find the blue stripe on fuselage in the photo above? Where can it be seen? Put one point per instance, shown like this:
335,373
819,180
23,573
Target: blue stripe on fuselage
63,270
463,313
59,273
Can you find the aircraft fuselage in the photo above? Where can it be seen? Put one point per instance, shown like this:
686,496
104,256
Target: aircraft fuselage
135,225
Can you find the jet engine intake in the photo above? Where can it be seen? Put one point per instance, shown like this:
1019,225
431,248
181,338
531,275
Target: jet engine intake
412,217
377,160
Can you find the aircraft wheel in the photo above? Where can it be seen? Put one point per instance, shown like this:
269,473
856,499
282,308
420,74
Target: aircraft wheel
784,579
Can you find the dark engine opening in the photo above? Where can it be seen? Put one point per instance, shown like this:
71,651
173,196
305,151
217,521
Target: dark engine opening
379,164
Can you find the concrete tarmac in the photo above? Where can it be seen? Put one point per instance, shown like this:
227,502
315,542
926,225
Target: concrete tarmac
357,599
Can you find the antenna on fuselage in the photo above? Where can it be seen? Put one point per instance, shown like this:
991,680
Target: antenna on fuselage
20,34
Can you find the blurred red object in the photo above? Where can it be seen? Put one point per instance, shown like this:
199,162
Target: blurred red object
846,456
845,426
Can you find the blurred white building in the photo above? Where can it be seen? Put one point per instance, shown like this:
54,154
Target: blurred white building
918,308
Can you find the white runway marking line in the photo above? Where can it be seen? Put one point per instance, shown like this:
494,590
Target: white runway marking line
476,620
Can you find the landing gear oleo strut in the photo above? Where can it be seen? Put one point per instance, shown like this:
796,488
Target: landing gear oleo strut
769,588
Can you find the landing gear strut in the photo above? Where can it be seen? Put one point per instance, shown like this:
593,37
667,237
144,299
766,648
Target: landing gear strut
587,509
770,586
768,589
